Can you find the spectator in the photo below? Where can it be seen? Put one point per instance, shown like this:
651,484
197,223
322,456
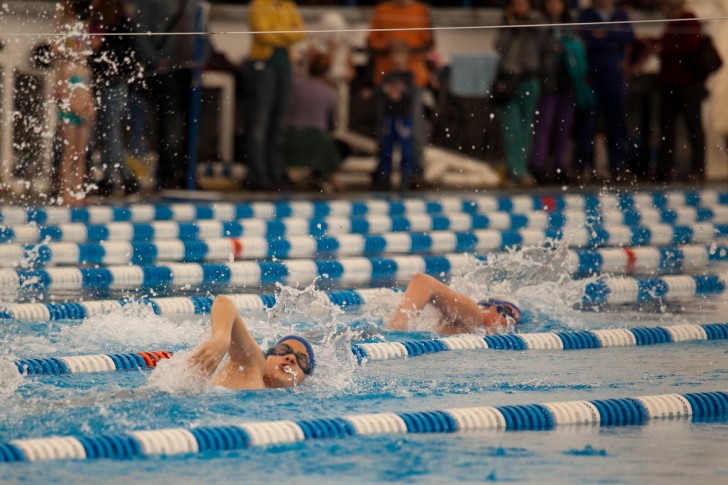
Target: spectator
114,66
681,91
338,46
520,50
311,118
267,73
169,61
72,92
555,115
415,17
397,92
717,114
142,159
605,48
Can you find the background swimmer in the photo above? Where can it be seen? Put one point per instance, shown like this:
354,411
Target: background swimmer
285,364
459,313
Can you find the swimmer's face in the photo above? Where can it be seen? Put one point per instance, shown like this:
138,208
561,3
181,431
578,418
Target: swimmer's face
501,314
285,370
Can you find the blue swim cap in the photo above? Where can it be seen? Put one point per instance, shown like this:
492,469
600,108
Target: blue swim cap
510,300
305,343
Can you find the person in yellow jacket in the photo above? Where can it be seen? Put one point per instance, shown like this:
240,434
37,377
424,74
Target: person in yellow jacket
267,83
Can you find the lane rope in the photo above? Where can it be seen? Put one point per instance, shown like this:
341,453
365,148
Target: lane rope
606,291
696,406
186,212
364,352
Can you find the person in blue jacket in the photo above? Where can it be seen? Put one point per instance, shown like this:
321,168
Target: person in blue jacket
606,47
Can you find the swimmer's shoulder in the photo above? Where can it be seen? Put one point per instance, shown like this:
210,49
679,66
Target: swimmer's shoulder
231,377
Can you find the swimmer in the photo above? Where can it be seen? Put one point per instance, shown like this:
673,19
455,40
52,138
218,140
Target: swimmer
459,313
286,364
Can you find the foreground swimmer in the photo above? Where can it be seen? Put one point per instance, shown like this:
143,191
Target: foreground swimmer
286,364
460,314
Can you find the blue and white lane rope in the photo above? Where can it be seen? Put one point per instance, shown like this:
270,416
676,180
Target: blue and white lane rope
350,271
592,339
185,212
582,233
645,260
496,219
611,291
177,306
636,216
678,288
551,223
588,339
82,364
230,249
697,406
374,224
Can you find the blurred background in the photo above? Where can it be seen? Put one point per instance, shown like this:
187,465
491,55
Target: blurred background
194,134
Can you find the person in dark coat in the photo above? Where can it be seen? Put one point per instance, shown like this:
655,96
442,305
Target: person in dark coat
681,92
606,47
114,65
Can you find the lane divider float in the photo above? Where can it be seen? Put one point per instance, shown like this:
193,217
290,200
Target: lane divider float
590,339
582,230
185,212
297,273
81,364
696,406
606,291
346,245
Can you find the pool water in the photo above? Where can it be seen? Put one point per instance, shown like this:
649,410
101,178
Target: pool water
676,451
108,403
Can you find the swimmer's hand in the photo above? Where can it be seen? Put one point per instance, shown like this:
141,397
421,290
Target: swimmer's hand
208,356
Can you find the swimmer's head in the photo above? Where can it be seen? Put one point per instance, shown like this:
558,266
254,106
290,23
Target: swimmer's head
505,305
289,361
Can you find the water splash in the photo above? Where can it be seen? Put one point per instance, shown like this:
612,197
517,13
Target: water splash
305,312
309,312
175,376
538,276
294,375
297,307
10,380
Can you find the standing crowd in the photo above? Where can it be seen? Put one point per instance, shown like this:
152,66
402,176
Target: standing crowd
556,87
106,84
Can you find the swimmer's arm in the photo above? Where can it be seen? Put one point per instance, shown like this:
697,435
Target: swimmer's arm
459,312
243,347
229,335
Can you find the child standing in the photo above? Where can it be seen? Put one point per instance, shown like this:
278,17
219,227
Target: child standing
397,90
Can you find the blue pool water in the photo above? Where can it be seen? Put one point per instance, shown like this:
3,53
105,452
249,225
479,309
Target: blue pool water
108,403
676,451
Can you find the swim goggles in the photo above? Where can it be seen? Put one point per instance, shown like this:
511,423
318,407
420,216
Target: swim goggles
505,309
284,349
